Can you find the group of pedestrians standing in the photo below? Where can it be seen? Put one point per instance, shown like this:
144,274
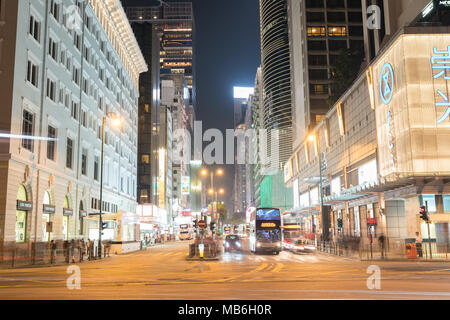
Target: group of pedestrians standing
88,248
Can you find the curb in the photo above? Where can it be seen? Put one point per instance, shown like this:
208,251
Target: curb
202,259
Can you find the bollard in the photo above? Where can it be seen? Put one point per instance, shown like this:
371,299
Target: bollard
201,248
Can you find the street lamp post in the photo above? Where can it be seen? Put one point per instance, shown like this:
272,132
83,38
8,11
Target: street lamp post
325,231
116,123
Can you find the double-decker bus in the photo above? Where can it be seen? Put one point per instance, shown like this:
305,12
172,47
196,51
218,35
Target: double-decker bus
186,232
265,231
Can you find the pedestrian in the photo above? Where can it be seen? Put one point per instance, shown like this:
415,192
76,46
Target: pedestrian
53,251
382,244
419,245
72,250
81,249
88,247
66,247
108,247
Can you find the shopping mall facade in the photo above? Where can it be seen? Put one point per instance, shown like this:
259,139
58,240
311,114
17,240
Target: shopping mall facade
385,146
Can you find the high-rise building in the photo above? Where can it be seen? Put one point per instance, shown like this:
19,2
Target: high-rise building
276,71
170,51
174,21
319,32
64,69
277,106
257,117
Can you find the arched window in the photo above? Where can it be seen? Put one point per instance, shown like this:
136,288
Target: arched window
21,216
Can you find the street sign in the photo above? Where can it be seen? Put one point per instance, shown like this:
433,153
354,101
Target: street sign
371,222
202,224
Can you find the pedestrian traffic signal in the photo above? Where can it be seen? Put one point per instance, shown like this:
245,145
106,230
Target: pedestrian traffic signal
104,225
424,214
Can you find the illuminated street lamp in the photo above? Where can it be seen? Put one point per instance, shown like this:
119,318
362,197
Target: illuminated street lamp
313,138
116,122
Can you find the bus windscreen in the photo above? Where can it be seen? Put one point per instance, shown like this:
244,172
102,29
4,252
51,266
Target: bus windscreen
268,214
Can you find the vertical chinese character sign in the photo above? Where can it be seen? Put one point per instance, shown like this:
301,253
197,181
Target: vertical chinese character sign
386,85
440,63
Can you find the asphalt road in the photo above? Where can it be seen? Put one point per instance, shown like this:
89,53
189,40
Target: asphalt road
163,273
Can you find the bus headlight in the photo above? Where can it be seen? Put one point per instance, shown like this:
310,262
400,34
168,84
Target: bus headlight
258,244
227,244
279,244
238,244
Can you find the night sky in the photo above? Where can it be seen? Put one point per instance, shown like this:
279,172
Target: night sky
227,49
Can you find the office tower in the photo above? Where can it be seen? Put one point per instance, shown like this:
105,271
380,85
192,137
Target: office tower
320,31
276,74
277,106
170,51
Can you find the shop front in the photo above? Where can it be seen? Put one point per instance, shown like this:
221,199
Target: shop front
48,213
23,211
67,216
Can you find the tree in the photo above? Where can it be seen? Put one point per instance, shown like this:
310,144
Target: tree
343,72
222,211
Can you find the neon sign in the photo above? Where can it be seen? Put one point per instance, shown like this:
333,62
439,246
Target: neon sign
440,61
387,83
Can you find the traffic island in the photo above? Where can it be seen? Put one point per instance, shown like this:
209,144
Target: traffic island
204,250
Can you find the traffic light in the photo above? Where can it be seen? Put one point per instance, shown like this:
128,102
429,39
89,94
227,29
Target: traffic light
339,221
104,225
195,224
212,226
424,214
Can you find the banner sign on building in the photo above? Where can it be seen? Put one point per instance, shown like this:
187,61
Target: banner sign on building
412,106
24,205
185,185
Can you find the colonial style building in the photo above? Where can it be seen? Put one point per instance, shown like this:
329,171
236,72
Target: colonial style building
64,65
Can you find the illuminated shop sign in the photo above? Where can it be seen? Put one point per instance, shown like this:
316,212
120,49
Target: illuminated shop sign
412,106
386,83
440,63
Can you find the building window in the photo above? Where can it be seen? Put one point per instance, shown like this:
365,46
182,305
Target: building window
35,28
51,89
96,161
83,118
54,9
446,200
51,143
69,152
32,73
76,76
53,49
317,60
318,74
84,162
74,110
337,45
317,45
337,31
77,41
430,201
319,89
315,17
27,129
316,31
